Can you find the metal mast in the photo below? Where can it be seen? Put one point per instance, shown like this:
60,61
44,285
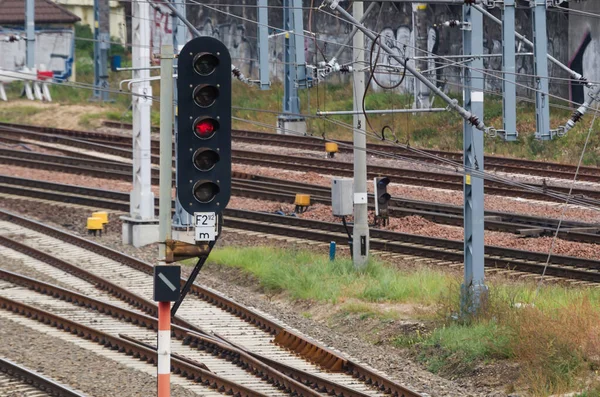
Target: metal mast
101,47
30,32
294,69
140,227
473,288
509,87
360,237
542,100
181,218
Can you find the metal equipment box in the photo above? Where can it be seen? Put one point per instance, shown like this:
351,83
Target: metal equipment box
341,196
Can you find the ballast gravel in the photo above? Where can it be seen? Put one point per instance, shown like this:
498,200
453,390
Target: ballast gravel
74,366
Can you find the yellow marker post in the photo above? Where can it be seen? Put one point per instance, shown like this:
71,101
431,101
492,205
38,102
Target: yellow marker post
94,224
302,202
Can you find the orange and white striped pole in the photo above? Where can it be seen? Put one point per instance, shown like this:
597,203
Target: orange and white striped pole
164,349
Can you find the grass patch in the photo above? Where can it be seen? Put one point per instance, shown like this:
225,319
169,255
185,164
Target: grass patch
18,114
305,275
554,335
456,349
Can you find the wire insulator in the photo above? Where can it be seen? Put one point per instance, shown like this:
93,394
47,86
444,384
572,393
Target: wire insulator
451,24
577,115
474,120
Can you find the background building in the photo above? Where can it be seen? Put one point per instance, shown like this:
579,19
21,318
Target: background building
54,37
84,9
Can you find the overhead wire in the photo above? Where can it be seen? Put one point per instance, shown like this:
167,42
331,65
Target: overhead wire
457,167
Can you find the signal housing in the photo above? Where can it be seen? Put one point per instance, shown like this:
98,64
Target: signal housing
204,129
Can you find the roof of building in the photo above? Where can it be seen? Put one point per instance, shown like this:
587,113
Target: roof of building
12,12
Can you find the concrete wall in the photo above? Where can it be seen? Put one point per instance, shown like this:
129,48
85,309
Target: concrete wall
54,46
394,22
584,44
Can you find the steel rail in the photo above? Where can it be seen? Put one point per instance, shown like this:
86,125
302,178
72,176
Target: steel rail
496,257
265,188
39,381
416,178
182,368
293,380
448,181
287,338
499,257
118,201
496,163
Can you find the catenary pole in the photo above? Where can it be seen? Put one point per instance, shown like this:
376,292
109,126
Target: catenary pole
473,290
30,32
360,233
509,87
540,63
181,218
142,198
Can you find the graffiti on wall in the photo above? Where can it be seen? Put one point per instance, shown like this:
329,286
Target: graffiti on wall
233,35
401,41
576,63
160,28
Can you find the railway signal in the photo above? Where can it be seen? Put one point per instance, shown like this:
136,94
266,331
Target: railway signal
204,127
203,145
382,197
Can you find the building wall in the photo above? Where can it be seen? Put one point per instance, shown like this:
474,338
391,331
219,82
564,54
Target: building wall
54,47
393,20
84,9
584,45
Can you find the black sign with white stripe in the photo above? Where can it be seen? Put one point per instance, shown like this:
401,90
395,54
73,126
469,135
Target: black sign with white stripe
167,283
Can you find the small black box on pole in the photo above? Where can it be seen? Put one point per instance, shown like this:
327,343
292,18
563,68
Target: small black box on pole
167,283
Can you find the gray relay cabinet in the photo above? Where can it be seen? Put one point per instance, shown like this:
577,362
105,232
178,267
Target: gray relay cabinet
341,196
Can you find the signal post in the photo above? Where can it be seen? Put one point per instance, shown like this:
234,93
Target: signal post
203,171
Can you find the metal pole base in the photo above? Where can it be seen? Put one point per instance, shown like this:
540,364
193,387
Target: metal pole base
473,299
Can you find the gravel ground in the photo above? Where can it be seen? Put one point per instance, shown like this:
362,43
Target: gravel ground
72,365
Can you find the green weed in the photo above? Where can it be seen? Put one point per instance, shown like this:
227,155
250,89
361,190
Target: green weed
305,275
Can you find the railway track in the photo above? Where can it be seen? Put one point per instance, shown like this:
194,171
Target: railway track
266,188
308,367
122,170
492,163
386,241
17,380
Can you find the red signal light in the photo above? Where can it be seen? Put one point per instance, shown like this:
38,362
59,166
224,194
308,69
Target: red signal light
205,127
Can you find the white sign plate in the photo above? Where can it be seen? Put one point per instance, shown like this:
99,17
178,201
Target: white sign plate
205,233
206,226
204,219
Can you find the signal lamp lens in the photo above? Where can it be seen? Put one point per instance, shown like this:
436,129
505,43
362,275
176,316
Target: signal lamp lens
205,128
205,95
206,159
205,63
205,191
